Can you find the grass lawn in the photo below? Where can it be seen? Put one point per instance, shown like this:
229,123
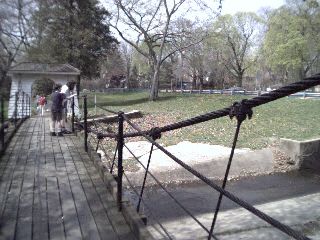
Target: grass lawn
285,118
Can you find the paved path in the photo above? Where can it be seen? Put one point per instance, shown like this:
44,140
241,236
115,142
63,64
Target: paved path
49,189
292,198
300,213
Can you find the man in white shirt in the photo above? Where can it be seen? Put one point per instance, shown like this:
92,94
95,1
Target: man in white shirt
67,91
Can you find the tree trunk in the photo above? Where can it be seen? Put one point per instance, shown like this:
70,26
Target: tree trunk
155,83
200,81
128,76
239,79
194,80
171,84
303,73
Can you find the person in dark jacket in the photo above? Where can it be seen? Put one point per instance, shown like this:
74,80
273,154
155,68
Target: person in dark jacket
56,111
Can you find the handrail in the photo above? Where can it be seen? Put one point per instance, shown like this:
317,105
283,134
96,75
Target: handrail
21,111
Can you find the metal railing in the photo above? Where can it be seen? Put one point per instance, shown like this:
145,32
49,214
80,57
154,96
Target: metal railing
21,111
21,106
239,110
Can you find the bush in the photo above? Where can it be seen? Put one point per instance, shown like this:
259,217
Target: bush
42,86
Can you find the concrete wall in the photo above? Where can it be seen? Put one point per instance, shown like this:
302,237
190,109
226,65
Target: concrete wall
23,82
305,154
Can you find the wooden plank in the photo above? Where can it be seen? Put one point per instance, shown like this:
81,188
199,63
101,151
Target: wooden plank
101,218
9,216
53,190
116,219
8,166
5,176
54,209
95,186
56,228
70,217
40,230
24,221
87,222
113,118
10,208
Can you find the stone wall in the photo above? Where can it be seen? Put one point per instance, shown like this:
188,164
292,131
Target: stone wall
305,154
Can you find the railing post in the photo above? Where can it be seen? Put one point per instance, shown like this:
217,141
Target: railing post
29,105
22,108
72,117
2,122
26,105
85,113
120,167
15,109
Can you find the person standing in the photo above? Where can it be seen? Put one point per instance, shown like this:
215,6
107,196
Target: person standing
56,111
66,90
42,101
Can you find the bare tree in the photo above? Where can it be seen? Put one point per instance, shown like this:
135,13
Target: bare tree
236,35
113,67
147,27
14,32
126,52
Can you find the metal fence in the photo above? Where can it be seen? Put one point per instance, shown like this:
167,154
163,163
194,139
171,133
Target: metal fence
239,110
19,105
302,94
21,111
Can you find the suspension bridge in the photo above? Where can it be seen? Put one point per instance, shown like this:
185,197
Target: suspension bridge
58,188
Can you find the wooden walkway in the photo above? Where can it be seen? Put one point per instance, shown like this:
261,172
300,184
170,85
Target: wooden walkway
49,189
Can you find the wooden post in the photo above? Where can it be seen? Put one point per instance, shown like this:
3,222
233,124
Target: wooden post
15,109
22,107
72,117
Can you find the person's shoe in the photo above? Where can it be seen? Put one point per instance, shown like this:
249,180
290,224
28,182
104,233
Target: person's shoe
66,132
53,134
60,134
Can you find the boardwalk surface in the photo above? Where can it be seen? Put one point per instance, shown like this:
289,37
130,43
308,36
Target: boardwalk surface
49,189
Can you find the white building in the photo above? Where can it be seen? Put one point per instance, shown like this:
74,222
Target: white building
24,74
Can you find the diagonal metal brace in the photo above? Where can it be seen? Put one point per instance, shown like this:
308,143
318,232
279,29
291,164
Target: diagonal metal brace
241,110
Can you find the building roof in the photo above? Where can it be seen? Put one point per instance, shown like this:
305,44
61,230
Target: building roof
44,68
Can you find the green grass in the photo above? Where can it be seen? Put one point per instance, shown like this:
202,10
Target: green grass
285,118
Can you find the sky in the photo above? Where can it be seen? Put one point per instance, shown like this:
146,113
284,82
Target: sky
233,6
